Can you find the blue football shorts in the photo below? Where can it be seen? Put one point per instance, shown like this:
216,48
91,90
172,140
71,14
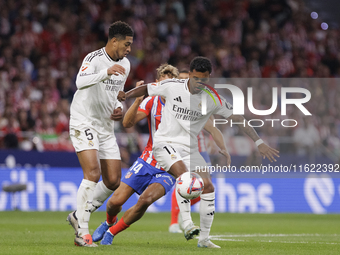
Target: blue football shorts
142,174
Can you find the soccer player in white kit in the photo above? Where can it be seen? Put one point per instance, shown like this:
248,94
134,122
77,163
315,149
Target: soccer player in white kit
175,142
101,77
219,140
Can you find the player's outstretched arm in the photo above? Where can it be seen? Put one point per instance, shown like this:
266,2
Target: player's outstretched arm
122,95
265,150
137,92
218,138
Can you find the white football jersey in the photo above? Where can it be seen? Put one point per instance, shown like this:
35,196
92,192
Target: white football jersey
96,97
182,117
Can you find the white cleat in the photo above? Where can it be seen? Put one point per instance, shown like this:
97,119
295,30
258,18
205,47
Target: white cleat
191,230
174,228
73,221
206,243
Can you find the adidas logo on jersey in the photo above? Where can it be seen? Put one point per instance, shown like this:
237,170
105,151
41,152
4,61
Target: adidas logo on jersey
179,99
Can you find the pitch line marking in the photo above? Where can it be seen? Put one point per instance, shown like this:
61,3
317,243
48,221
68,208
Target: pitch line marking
230,238
272,235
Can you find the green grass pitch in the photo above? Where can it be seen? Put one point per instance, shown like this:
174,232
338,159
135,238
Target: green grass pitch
49,233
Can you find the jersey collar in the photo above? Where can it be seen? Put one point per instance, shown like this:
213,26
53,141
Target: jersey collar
108,56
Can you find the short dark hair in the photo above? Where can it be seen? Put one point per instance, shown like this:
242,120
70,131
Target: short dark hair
120,30
200,64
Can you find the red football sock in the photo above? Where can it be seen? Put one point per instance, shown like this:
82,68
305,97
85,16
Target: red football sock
174,208
110,219
194,201
119,227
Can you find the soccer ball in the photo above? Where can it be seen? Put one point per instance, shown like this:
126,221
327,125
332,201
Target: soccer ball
189,185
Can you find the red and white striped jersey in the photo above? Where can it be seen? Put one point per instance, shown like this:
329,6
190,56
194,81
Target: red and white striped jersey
153,107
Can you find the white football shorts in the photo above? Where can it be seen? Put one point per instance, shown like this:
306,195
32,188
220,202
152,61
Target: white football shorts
167,154
86,138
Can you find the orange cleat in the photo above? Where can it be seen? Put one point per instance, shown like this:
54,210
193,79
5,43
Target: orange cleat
85,240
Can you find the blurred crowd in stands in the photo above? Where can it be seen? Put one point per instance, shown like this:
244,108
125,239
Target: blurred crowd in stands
43,42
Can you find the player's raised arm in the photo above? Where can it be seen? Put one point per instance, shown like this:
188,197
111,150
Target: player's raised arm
218,138
132,116
265,150
89,76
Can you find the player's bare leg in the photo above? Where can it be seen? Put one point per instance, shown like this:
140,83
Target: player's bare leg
111,173
113,207
89,162
121,195
150,195
207,211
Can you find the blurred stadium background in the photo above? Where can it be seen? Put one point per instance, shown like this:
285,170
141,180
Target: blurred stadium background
42,44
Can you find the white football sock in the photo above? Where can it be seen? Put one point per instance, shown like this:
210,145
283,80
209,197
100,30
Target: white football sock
184,209
84,204
101,193
207,211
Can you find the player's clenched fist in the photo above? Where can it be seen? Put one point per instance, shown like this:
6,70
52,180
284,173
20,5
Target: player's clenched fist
121,96
117,114
116,70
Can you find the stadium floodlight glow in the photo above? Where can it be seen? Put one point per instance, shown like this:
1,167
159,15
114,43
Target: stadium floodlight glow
314,15
324,25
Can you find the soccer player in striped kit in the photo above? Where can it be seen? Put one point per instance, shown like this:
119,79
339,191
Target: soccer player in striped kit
145,176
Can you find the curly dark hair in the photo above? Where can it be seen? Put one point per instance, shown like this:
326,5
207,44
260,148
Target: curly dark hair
200,64
120,30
